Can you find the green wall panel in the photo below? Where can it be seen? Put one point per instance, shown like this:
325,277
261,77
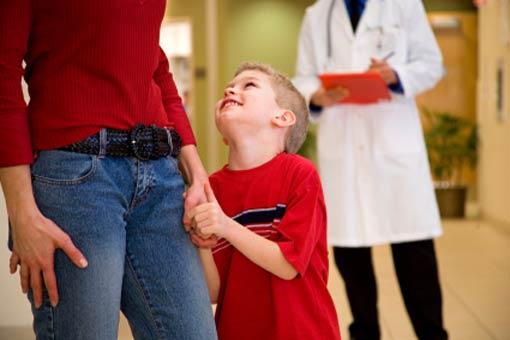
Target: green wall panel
260,30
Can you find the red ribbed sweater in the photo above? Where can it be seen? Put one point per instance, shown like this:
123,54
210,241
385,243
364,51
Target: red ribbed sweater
89,64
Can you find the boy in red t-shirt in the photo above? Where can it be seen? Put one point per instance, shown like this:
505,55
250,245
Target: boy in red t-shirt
269,270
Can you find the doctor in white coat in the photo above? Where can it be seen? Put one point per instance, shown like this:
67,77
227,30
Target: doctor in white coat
372,158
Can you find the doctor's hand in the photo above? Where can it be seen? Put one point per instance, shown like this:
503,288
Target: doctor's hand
383,68
330,97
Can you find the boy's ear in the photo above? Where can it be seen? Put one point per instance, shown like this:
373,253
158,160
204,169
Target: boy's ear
284,118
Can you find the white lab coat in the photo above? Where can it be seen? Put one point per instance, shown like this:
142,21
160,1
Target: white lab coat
372,158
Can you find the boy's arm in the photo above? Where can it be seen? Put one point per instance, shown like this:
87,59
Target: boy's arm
212,276
259,250
210,219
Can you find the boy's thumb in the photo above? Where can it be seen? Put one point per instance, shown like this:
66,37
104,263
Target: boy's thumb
209,193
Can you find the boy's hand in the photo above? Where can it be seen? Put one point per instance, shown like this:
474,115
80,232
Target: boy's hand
209,218
203,243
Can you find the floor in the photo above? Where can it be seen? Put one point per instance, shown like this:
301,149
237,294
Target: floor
474,264
474,260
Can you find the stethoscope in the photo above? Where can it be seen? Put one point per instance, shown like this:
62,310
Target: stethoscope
329,28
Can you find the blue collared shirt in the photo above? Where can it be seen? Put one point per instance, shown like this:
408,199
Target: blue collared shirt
397,87
361,6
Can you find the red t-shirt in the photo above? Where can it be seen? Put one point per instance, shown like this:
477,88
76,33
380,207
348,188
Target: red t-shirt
89,64
282,201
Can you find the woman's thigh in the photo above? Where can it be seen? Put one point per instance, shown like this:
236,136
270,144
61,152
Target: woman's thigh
164,293
76,191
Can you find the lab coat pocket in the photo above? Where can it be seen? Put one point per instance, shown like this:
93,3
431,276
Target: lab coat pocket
397,130
383,39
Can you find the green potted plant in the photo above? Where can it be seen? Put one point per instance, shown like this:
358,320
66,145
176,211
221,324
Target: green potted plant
451,145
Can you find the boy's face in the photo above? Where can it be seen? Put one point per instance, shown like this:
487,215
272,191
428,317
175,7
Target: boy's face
248,100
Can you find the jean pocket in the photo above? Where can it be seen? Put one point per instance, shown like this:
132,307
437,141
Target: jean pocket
59,167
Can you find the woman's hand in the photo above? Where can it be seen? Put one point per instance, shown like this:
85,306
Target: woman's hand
198,196
207,243
35,237
208,218
35,240
193,197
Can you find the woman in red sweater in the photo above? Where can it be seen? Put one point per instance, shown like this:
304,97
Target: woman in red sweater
89,170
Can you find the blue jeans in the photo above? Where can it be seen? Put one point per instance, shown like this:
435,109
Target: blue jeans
125,216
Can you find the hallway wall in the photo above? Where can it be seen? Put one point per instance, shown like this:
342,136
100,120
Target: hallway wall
196,11
262,30
494,161
459,49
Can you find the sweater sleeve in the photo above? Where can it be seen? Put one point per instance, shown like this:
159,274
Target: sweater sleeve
424,66
15,22
171,100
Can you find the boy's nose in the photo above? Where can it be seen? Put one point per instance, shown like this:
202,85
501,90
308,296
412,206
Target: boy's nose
229,90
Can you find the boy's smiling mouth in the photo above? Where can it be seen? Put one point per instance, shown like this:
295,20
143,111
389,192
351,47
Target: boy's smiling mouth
229,102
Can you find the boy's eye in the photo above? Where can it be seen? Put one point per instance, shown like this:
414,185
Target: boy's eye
250,84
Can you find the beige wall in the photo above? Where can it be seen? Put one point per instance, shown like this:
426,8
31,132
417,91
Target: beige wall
459,49
494,163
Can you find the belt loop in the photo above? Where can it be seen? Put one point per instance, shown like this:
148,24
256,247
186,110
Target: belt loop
103,139
170,142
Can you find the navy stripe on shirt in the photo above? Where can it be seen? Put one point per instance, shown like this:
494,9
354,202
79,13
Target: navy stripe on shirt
259,216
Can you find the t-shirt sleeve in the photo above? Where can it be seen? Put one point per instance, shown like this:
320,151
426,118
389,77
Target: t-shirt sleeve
15,23
172,101
303,223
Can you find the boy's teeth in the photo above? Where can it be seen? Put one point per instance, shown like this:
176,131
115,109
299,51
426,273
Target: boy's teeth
231,104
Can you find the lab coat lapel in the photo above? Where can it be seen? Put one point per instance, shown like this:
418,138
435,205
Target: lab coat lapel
341,18
370,17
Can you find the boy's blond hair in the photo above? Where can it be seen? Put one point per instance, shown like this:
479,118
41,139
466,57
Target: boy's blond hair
288,98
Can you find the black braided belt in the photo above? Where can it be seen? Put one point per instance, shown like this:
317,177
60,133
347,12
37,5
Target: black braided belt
143,142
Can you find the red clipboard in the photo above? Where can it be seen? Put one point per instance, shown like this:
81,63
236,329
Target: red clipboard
364,88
